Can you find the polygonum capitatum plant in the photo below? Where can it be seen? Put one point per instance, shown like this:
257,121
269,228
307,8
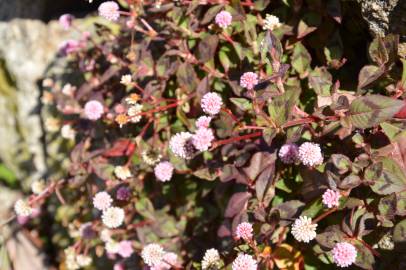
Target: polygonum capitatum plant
212,134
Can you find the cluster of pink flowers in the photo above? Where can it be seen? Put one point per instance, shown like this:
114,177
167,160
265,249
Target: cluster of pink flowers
244,231
344,254
249,80
244,262
93,110
308,153
66,21
181,145
109,10
70,46
203,122
289,153
211,103
164,171
102,201
223,19
202,139
331,198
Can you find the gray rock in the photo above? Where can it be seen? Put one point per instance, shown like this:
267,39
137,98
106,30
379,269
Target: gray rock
385,16
27,48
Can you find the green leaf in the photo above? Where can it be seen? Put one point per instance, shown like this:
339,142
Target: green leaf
281,106
386,177
211,13
399,233
365,259
7,175
242,103
368,111
207,48
205,174
321,81
301,60
369,74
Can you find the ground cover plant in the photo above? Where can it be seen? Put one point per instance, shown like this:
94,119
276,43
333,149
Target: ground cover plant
225,135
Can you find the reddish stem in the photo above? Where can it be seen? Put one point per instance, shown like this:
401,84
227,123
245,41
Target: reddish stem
162,108
230,113
236,139
325,214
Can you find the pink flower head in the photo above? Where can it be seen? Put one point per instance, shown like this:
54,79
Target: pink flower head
119,266
203,138
66,21
244,231
125,249
344,254
223,19
180,144
289,153
93,110
169,259
102,200
123,194
331,198
244,262
70,46
203,122
163,171
109,10
211,103
249,80
310,154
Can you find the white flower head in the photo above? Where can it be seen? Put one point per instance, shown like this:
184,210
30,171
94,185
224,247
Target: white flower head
271,22
38,186
122,172
22,208
83,260
67,132
134,112
152,254
126,79
113,217
303,230
112,247
211,259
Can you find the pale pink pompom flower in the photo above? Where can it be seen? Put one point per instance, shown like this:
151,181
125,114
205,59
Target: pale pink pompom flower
331,198
169,259
203,138
152,254
244,231
164,171
109,10
244,262
93,110
119,266
102,200
249,80
344,254
310,154
223,19
289,153
181,145
125,249
70,46
66,21
211,103
203,122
